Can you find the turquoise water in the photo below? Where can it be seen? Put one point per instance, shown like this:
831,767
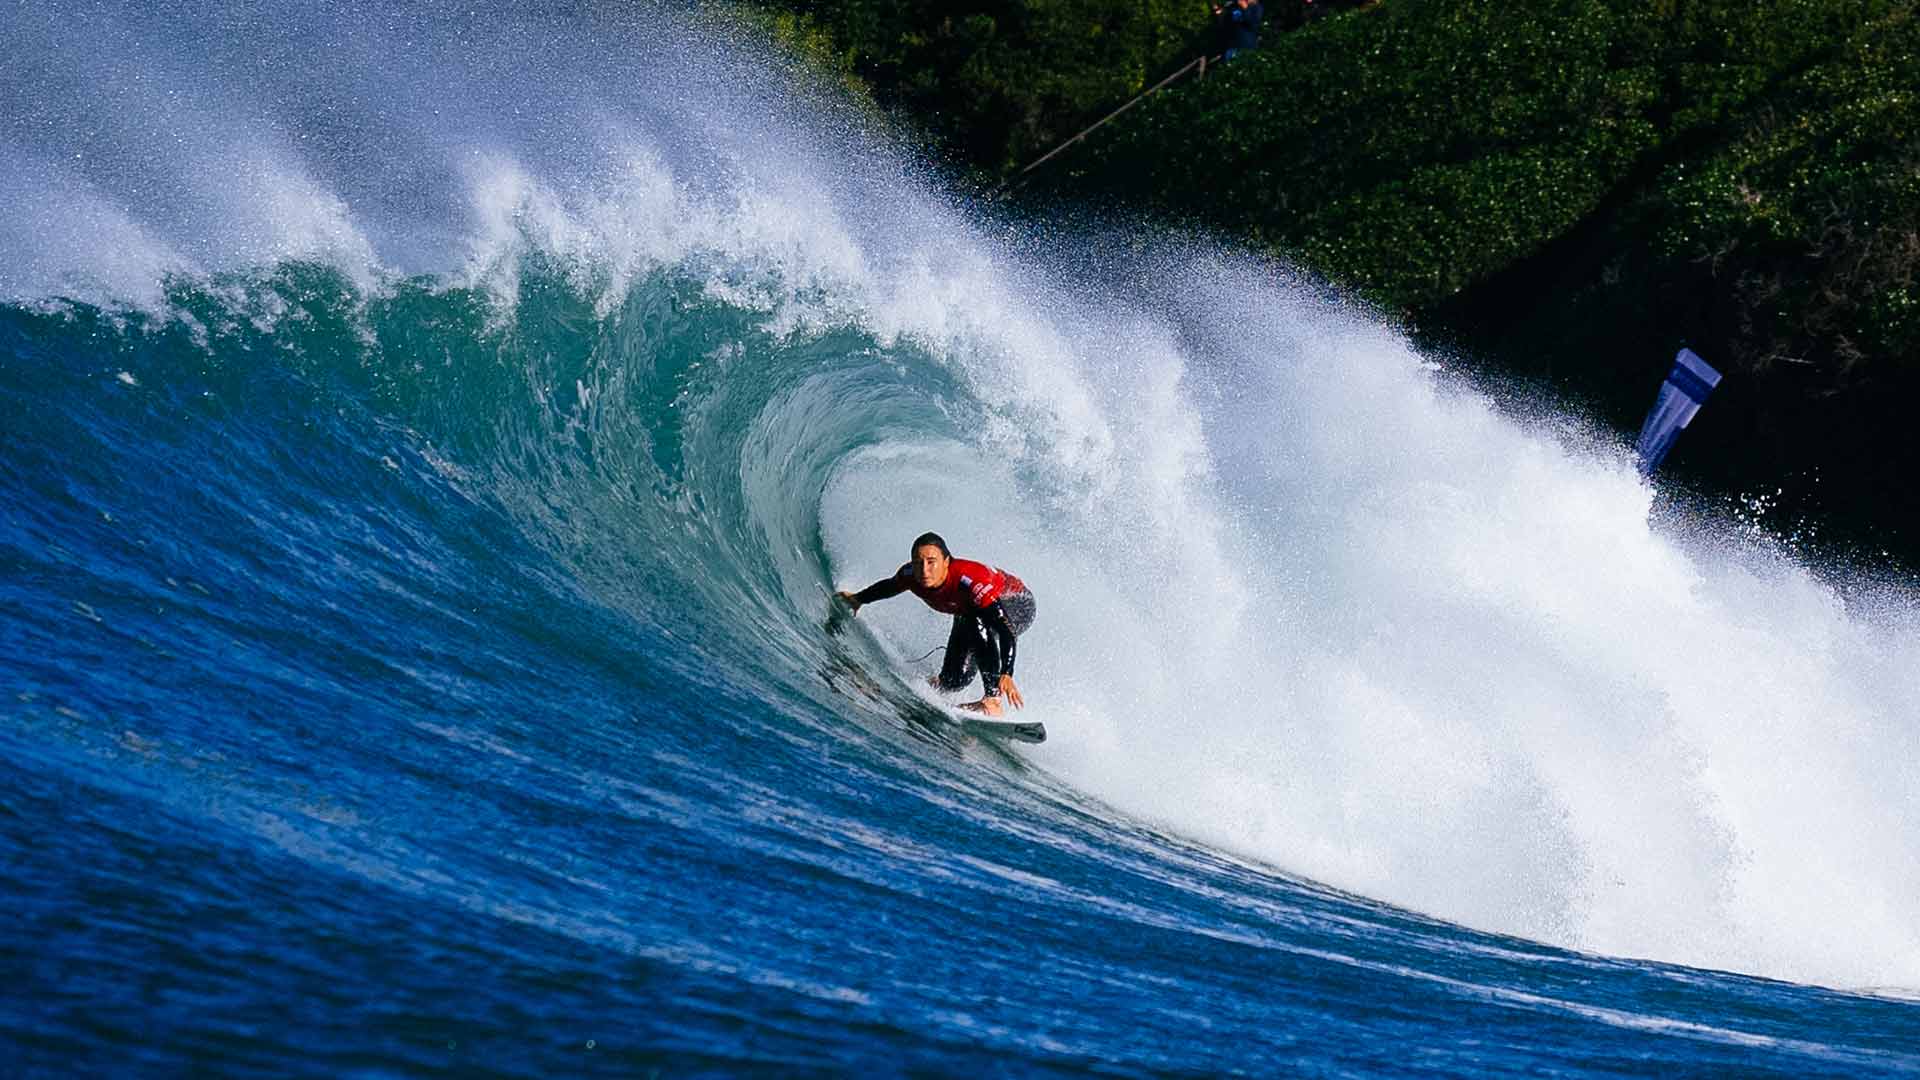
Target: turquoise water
427,444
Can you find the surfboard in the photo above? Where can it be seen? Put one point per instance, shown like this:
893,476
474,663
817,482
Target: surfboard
1027,731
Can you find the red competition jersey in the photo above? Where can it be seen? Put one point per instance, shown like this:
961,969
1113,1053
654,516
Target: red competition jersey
970,586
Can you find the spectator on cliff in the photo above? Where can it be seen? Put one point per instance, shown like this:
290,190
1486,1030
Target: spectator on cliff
1239,25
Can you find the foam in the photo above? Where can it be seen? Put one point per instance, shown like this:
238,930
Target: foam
51,217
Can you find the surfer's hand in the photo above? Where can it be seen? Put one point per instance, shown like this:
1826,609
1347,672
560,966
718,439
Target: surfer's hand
838,614
1011,692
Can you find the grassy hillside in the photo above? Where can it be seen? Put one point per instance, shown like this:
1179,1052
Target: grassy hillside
996,83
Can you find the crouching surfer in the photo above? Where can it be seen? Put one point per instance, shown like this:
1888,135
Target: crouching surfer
991,609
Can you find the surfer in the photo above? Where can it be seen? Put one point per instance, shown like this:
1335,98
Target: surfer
991,609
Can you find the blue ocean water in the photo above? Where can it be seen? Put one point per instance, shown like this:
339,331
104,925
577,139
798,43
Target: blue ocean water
428,442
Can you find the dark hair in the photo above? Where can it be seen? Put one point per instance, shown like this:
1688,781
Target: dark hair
930,538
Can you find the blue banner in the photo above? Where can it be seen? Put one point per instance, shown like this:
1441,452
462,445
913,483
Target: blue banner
1685,390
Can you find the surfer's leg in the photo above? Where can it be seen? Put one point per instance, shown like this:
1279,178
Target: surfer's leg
957,670
986,653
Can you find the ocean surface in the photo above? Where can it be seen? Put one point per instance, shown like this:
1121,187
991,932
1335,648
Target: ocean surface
429,440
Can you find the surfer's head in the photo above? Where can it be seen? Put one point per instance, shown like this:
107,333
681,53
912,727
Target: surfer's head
930,559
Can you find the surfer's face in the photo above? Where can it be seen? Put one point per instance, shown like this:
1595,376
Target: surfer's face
930,565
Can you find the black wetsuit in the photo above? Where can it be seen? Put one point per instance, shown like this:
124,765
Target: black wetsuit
985,642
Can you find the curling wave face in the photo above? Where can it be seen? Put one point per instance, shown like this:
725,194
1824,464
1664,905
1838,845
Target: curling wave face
414,435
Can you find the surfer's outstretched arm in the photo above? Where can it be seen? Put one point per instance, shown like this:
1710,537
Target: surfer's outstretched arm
883,589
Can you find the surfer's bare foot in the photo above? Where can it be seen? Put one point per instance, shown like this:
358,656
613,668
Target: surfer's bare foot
987,705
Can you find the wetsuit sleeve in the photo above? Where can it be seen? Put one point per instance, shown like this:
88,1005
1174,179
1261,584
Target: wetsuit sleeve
885,588
994,621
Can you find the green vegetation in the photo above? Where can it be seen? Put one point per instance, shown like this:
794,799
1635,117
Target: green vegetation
808,41
1414,149
1566,188
1404,150
996,83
